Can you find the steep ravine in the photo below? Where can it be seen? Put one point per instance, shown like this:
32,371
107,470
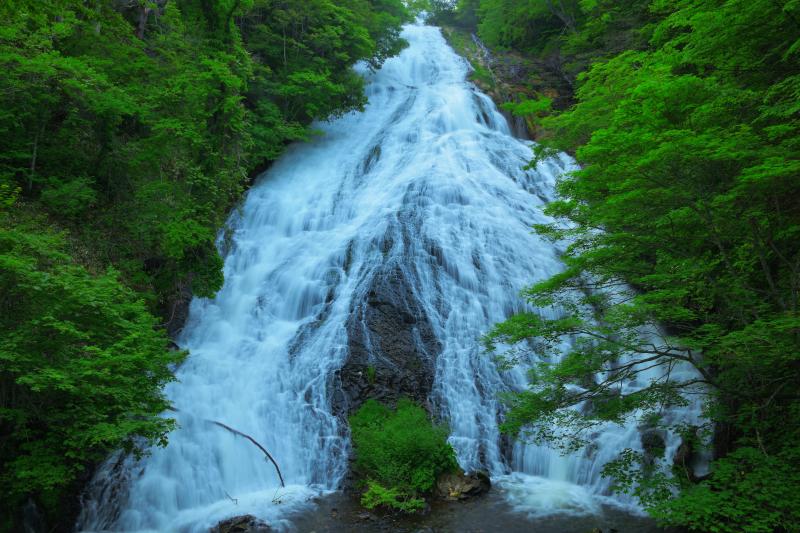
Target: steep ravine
366,264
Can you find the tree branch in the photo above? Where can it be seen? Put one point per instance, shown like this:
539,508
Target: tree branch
245,435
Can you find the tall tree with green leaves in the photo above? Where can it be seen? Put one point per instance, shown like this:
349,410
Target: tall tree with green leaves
83,367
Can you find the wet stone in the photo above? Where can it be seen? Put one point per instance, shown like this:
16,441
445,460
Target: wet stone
455,486
242,524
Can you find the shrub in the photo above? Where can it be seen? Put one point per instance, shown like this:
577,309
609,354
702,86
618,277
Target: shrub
377,495
69,198
399,454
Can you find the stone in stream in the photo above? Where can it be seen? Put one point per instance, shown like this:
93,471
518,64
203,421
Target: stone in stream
242,524
454,486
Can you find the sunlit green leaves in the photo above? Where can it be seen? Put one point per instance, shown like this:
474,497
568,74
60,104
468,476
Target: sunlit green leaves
398,454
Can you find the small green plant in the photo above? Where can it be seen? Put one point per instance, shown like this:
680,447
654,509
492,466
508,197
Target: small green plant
371,374
377,495
399,454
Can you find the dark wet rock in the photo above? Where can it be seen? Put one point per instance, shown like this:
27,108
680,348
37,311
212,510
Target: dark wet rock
372,158
241,524
683,455
177,310
391,346
455,486
653,444
507,443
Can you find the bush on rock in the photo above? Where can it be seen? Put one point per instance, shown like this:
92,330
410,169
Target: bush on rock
399,453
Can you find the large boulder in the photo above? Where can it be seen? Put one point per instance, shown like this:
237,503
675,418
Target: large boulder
454,486
653,444
242,524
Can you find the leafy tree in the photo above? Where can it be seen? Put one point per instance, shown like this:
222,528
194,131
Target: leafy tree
145,119
82,367
523,25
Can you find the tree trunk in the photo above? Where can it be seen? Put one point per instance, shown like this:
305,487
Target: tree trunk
144,14
563,14
248,437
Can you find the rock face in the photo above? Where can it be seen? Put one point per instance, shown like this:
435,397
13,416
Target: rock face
392,346
455,486
653,444
242,524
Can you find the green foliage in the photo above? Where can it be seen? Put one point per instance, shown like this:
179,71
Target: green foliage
377,495
82,366
682,250
147,133
483,76
523,25
69,199
529,107
463,44
399,453
462,13
8,195
748,491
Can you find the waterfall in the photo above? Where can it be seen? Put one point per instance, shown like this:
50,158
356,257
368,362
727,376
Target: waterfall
427,183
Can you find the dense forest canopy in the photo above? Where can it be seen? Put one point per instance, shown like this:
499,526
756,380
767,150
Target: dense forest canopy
129,129
683,243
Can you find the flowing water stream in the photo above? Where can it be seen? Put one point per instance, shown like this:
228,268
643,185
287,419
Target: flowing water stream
428,179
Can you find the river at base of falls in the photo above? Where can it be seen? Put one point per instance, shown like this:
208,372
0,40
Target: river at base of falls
492,513
426,183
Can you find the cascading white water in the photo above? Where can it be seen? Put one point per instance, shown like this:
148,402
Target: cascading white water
430,160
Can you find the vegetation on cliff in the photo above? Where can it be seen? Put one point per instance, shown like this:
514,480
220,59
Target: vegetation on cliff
129,128
683,248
